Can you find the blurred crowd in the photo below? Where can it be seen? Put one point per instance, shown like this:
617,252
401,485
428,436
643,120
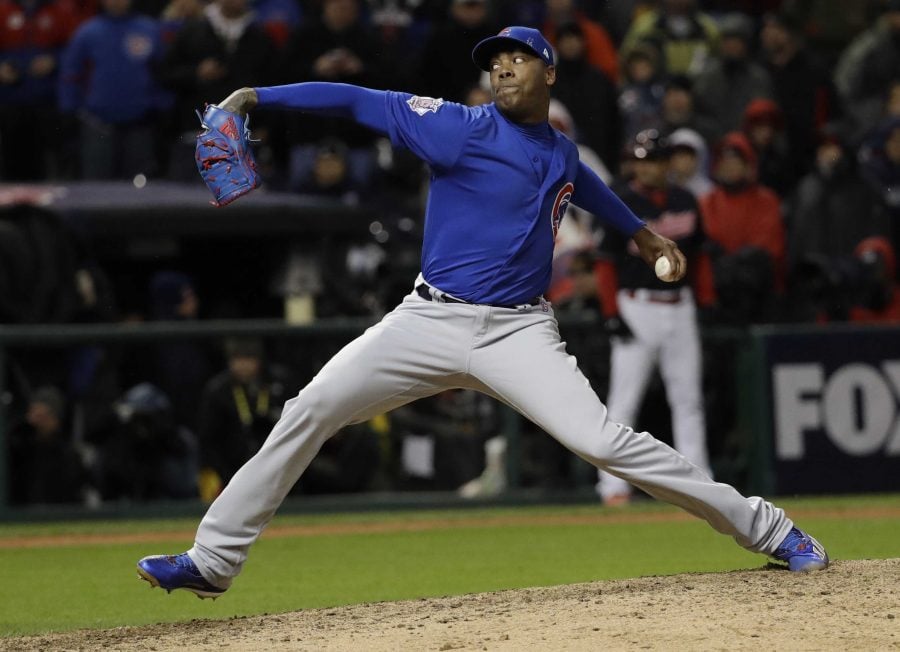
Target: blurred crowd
781,117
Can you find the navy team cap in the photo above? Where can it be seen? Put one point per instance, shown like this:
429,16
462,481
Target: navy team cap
516,37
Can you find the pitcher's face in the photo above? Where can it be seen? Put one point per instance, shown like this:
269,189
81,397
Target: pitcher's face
520,84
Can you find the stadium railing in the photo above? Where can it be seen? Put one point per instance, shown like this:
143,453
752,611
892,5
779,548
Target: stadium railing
326,337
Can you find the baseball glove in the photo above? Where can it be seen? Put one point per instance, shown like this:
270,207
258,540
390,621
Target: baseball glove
223,155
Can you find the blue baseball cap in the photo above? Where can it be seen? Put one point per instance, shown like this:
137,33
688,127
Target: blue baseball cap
516,37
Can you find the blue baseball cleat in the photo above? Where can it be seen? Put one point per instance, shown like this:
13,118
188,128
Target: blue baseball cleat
172,572
801,552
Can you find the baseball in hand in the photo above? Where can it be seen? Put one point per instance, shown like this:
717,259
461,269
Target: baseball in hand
663,269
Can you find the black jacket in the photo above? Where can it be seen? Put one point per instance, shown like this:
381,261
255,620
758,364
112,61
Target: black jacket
249,64
235,420
304,47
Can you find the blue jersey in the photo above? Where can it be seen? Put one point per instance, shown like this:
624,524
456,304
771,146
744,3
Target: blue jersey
107,68
498,189
492,209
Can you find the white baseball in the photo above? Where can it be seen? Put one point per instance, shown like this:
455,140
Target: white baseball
663,268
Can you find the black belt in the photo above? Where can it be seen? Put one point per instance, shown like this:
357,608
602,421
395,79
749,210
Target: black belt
656,296
424,292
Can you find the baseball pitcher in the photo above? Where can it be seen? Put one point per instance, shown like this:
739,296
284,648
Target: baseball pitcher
501,179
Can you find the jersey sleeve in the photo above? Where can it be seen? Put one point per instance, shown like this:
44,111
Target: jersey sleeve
595,197
364,105
432,129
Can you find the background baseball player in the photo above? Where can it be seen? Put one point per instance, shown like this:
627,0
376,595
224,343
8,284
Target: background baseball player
654,322
501,180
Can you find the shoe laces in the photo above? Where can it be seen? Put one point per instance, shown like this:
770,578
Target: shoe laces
796,543
185,562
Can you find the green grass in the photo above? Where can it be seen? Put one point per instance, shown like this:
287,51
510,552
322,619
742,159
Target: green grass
60,588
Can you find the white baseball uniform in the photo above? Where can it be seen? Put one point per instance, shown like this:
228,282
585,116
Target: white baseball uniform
662,317
665,334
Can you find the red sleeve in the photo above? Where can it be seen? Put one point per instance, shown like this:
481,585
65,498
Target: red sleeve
607,285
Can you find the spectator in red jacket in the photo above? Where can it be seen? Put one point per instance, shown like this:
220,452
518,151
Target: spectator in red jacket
879,300
743,219
32,35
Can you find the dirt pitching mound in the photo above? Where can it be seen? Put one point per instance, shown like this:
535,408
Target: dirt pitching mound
854,605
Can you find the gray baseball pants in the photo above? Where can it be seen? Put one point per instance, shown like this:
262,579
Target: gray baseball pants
514,355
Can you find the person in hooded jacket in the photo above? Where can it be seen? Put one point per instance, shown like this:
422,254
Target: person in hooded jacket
880,303
689,162
778,168
743,220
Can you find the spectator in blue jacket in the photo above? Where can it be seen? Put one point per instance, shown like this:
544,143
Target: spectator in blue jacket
108,80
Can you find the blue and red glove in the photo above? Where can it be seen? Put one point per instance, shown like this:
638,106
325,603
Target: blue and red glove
223,155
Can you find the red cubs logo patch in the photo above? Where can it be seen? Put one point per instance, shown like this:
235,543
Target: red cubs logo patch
560,204
229,128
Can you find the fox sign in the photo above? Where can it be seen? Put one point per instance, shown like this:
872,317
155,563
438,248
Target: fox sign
835,402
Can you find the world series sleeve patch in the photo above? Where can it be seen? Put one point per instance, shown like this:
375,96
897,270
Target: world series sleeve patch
432,129
423,105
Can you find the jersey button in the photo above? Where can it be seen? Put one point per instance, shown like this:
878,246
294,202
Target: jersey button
535,159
